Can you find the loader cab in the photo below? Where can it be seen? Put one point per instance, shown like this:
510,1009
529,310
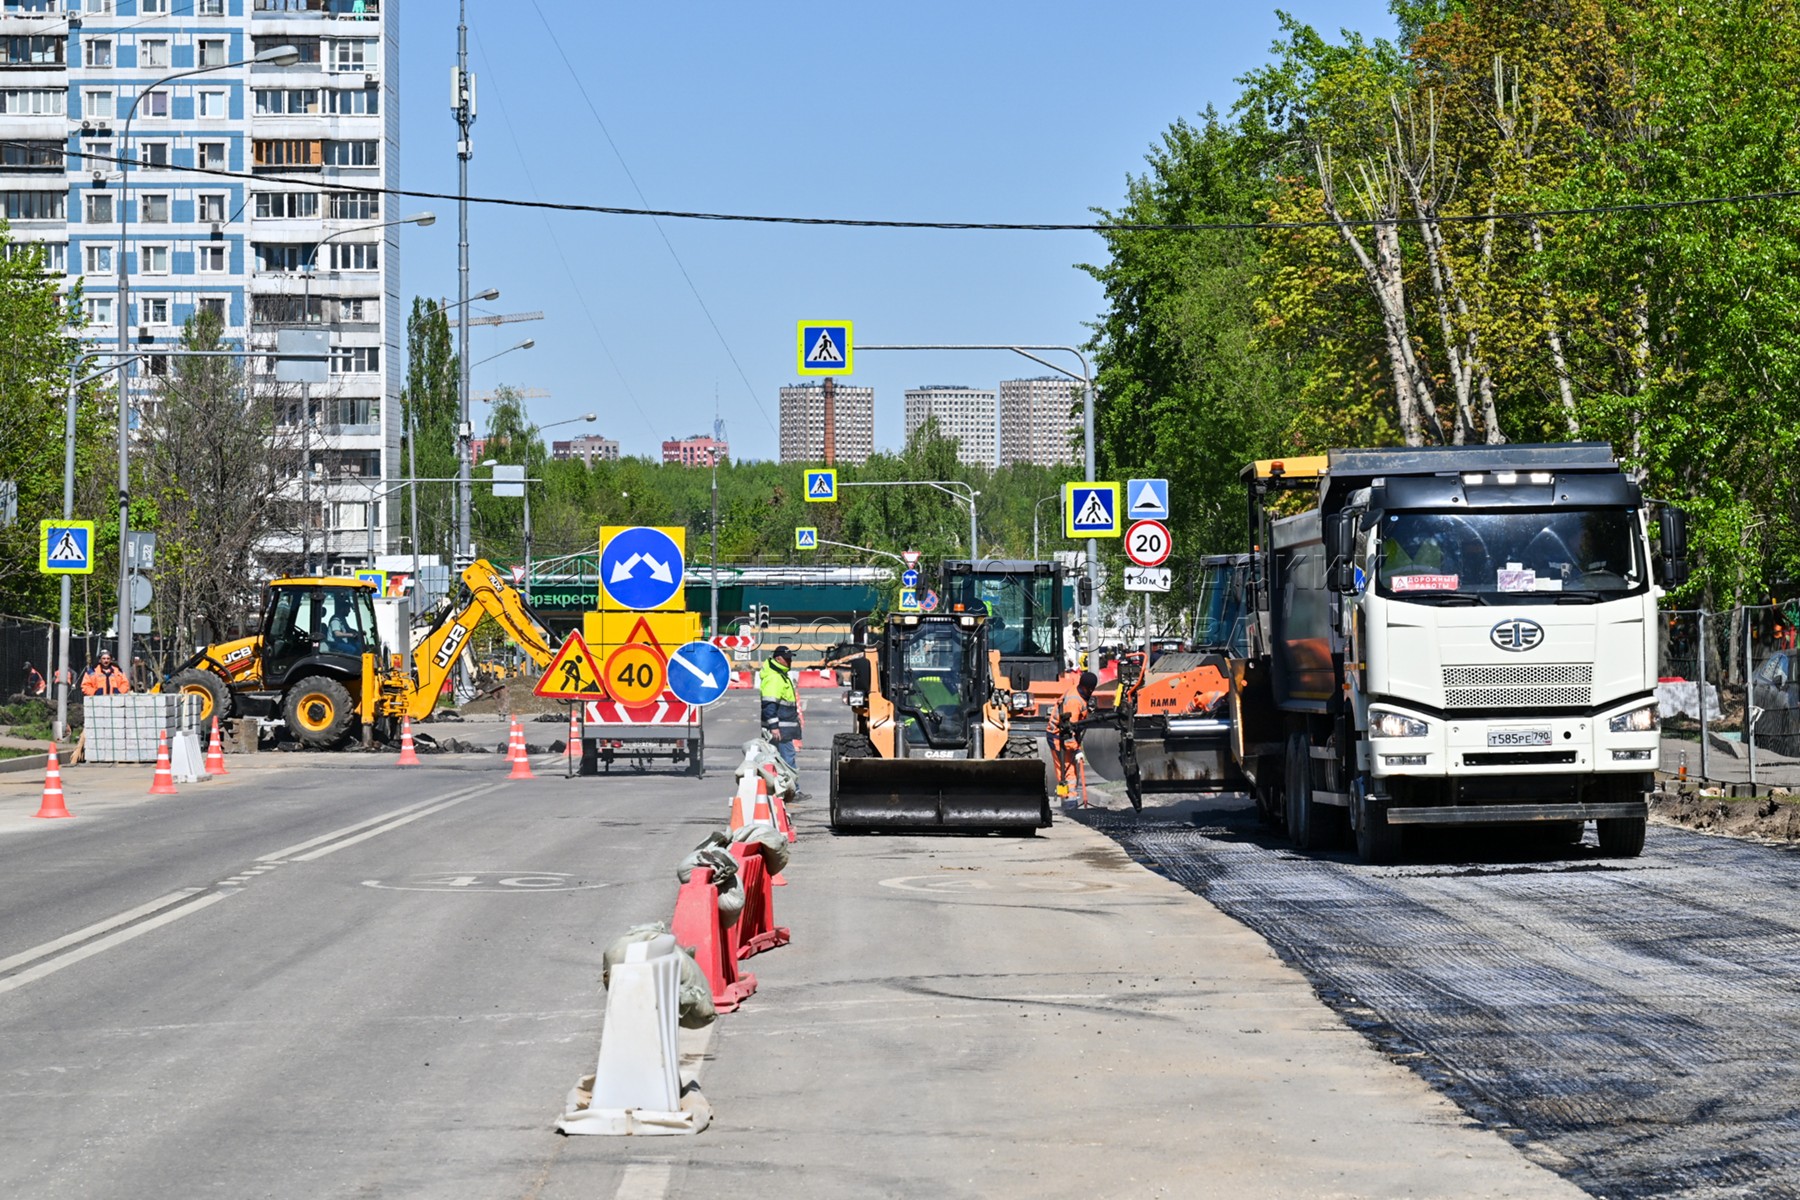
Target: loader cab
306,621
937,675
1022,600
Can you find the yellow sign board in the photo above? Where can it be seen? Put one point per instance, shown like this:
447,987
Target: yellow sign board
573,674
666,632
636,673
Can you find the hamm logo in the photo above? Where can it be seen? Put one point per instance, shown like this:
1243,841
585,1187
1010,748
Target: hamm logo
1517,634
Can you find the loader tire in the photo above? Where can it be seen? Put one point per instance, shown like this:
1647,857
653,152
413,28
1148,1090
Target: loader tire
215,697
845,745
1020,747
319,712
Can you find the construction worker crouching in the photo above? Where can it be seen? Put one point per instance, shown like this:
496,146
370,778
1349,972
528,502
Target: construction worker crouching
780,703
105,678
1065,737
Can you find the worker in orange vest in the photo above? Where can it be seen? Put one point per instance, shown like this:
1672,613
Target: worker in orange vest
1065,738
105,678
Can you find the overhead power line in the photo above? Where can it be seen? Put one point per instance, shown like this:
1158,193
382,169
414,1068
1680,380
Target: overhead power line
1631,206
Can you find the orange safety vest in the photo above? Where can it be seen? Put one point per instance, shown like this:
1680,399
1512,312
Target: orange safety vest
1070,708
99,682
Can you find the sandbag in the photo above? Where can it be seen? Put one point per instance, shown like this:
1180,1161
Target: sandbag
696,1002
713,855
769,842
761,757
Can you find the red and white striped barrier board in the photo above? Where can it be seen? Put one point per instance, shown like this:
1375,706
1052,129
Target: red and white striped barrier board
659,712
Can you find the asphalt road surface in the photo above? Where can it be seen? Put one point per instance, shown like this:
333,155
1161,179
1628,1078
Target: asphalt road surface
1632,1024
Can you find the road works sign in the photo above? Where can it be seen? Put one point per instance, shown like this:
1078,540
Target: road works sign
821,486
1091,510
825,348
1147,499
66,547
641,567
572,674
699,673
806,537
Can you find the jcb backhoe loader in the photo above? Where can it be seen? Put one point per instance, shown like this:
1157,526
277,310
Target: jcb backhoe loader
932,746
318,662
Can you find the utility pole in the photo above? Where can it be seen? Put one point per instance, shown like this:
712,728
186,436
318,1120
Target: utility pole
462,106
718,436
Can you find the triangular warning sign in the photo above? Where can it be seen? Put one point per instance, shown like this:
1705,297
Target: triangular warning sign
1147,498
825,351
821,485
67,549
1094,513
572,675
648,638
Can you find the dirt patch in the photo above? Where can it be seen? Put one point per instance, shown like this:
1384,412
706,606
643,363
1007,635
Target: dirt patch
1771,818
1107,858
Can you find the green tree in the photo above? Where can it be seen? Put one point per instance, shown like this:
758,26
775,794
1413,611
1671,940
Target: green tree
431,407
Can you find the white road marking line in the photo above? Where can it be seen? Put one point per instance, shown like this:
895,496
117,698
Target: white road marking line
107,943
645,1181
82,935
364,836
290,851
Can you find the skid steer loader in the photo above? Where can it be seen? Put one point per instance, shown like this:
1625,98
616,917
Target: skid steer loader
932,748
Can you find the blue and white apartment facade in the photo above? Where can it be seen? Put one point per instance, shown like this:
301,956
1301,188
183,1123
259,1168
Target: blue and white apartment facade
239,241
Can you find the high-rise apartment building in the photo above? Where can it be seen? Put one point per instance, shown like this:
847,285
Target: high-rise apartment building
587,447
961,412
1039,420
696,451
803,422
200,235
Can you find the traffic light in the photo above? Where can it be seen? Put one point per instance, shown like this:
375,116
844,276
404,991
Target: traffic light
761,613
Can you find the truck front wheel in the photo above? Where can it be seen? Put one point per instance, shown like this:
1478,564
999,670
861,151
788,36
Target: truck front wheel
1621,837
1377,841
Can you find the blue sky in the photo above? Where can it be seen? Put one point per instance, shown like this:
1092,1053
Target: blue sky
936,111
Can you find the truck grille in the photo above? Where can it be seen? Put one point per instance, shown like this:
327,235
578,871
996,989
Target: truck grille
1548,685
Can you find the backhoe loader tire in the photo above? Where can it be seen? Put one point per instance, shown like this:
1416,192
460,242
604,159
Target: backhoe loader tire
1020,747
319,712
215,697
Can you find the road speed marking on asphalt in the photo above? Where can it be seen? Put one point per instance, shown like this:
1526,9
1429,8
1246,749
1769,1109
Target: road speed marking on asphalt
486,881
635,673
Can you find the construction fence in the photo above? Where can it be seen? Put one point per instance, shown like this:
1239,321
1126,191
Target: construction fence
1733,674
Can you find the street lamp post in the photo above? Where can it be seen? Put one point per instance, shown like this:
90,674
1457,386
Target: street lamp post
281,56
412,462
1087,426
947,486
422,220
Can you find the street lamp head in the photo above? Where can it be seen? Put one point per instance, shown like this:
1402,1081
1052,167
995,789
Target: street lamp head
591,417
280,56
490,462
490,294
527,344
420,219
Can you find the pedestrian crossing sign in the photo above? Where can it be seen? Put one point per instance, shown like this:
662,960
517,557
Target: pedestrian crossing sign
825,348
806,537
1091,510
66,547
909,600
821,486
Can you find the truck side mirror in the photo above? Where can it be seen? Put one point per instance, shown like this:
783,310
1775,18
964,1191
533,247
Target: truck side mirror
1672,563
859,675
1340,541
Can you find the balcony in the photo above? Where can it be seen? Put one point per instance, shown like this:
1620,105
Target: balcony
343,10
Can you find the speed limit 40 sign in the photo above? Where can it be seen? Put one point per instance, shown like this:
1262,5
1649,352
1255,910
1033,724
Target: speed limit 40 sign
1147,543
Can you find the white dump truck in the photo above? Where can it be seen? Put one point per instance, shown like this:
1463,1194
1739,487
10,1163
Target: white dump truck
1459,635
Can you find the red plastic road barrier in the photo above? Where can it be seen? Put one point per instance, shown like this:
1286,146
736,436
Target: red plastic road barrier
756,928
781,817
53,805
572,747
163,782
515,750
215,753
409,754
698,927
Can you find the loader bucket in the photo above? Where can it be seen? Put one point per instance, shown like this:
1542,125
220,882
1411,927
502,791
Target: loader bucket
965,795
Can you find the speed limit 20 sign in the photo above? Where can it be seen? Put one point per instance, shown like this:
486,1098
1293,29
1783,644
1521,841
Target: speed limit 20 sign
1147,543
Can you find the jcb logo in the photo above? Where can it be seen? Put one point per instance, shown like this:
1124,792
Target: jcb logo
451,645
237,660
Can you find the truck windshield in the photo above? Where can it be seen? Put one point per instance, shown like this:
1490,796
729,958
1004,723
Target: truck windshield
1509,555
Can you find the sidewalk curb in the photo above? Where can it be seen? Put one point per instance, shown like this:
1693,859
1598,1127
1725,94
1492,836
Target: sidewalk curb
30,762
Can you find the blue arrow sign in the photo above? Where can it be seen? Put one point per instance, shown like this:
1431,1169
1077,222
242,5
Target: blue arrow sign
1147,499
909,577
699,673
641,567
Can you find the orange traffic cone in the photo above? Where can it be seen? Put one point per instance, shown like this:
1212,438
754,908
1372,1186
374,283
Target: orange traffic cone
521,761
163,784
409,757
215,753
761,811
738,817
53,805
